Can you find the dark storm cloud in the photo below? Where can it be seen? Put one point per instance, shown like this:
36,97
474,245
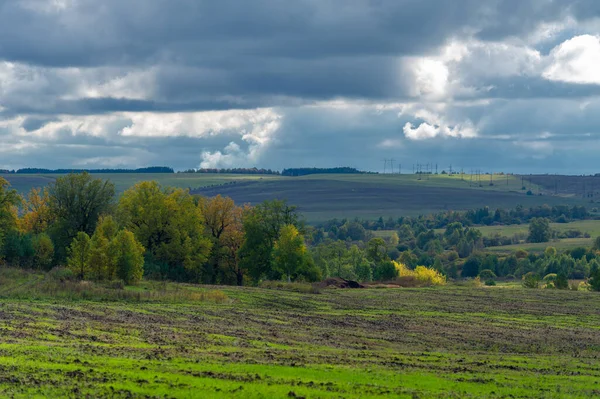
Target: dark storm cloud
311,49
95,106
258,52
31,124
533,87
61,61
88,32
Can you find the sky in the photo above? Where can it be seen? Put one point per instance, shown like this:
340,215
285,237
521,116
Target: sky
496,85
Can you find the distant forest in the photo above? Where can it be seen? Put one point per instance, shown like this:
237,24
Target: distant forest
317,171
31,171
165,169
285,172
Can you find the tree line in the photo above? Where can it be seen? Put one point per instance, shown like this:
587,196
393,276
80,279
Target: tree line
315,171
237,171
151,169
154,231
168,234
483,216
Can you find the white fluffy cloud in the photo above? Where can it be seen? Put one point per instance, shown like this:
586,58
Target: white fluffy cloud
576,60
427,131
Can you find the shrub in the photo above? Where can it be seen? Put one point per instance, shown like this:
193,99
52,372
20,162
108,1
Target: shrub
561,282
521,254
594,281
470,282
531,280
429,276
421,275
487,274
471,267
116,284
61,274
385,271
402,269
490,283
452,256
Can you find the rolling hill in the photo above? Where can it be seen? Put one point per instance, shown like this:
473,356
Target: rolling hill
322,197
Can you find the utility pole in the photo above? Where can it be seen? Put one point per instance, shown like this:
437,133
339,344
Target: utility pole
392,164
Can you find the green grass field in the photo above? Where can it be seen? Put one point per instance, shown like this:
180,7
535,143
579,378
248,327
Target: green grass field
592,227
445,342
561,245
24,182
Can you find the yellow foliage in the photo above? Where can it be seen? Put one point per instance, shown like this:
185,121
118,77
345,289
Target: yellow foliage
421,273
430,276
403,270
37,216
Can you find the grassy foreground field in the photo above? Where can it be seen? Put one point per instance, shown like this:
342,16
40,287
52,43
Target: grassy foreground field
323,197
446,342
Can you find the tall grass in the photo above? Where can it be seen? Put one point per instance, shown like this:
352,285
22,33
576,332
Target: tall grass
58,284
303,288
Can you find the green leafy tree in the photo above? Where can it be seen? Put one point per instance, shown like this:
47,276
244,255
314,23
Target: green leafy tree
9,200
337,256
79,255
289,253
596,245
223,221
472,266
531,280
539,230
561,282
102,252
129,257
385,271
364,271
18,249
358,263
550,252
464,248
594,280
487,274
170,226
377,250
76,202
261,226
43,251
